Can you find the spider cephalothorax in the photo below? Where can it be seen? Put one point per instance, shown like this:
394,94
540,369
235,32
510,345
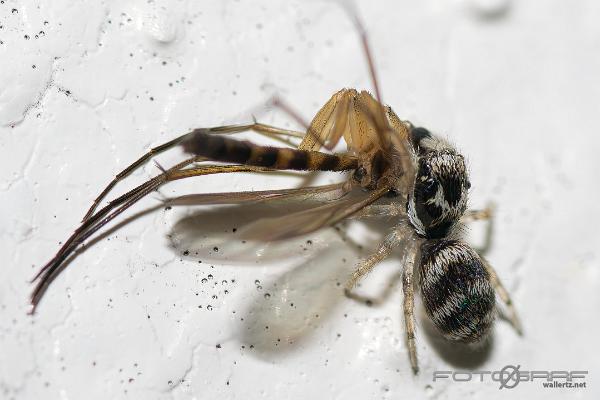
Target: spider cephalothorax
441,185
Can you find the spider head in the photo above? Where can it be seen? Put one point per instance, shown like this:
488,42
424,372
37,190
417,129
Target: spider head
441,185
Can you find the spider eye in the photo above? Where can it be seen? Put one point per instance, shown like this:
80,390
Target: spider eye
468,184
429,188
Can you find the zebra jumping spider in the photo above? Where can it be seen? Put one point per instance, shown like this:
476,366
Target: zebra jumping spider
458,286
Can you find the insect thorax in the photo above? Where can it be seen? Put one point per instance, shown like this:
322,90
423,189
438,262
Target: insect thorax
441,184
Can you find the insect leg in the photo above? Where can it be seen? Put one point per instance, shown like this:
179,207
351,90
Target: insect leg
330,123
109,212
111,205
505,297
264,129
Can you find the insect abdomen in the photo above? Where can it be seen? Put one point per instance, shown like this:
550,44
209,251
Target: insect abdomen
224,149
456,290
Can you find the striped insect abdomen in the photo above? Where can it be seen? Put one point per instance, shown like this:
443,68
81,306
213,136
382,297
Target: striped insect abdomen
225,149
456,290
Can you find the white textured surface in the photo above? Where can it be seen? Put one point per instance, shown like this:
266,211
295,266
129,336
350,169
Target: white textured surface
86,86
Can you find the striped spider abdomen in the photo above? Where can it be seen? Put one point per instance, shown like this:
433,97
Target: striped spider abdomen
456,290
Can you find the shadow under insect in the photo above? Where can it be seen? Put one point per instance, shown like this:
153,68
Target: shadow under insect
312,269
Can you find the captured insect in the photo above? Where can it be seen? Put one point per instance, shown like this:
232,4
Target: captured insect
425,177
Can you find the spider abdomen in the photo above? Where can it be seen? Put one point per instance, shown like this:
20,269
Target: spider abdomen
456,290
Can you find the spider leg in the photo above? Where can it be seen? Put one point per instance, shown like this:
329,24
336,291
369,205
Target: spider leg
263,129
381,297
408,289
505,297
477,215
365,266
486,214
393,239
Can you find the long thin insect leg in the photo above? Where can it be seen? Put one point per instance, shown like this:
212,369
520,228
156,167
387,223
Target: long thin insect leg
146,187
133,166
279,134
267,130
101,218
278,102
94,218
286,108
50,273
381,119
368,54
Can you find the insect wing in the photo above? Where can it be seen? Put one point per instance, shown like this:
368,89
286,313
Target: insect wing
315,193
307,221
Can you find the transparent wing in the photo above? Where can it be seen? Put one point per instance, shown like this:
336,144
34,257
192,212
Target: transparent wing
307,221
317,193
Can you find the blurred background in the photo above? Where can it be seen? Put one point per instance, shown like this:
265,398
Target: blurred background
172,305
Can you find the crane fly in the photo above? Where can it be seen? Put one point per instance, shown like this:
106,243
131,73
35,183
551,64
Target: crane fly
424,175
